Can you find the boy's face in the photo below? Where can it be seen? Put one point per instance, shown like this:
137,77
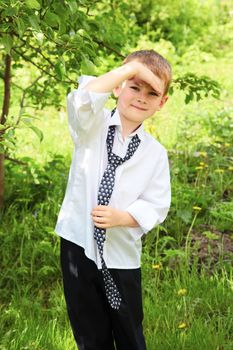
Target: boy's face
138,101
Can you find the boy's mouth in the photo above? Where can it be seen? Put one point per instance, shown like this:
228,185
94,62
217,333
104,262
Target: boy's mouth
140,108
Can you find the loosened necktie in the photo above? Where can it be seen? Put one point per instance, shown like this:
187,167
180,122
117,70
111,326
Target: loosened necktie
104,195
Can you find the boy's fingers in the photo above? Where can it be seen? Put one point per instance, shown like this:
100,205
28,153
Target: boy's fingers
101,225
101,207
99,219
99,213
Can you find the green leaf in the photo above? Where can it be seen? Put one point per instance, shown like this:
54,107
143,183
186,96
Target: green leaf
51,19
11,12
7,41
76,40
174,253
50,33
210,235
8,144
21,26
29,116
32,4
73,7
34,22
88,67
65,38
187,98
185,215
60,69
62,28
38,132
26,120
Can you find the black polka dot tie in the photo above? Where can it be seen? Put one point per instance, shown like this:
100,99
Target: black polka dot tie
104,195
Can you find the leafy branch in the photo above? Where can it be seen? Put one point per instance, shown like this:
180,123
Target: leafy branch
196,87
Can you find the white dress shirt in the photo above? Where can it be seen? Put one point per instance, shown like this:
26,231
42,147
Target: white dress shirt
142,184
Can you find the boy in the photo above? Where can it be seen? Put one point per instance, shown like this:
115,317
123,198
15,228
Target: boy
118,190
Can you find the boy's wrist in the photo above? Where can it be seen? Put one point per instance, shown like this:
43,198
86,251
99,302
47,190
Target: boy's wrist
127,220
129,70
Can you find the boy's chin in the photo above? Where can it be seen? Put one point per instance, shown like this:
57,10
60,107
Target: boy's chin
134,116
139,118
137,121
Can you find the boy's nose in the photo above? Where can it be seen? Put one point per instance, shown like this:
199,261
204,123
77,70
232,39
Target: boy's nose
141,99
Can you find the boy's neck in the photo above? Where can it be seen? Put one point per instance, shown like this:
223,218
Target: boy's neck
128,127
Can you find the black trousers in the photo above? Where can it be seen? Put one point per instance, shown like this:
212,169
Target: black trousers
95,325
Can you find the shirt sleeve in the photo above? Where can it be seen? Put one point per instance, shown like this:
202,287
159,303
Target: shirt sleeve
85,109
151,208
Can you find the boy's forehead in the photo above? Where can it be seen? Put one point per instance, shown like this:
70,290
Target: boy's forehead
159,84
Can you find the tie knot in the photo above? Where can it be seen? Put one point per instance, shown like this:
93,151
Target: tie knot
112,157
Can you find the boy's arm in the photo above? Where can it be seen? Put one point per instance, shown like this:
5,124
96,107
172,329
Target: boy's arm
107,82
85,110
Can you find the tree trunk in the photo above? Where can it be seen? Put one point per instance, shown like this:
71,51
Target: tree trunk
5,110
1,179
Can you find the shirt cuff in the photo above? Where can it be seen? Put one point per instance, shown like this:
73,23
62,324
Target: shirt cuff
96,99
145,215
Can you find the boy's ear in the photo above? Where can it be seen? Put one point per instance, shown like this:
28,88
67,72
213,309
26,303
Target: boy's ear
116,91
163,101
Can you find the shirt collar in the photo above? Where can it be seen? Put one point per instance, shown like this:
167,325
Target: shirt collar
116,120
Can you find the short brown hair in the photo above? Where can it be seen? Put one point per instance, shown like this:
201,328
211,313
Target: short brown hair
155,62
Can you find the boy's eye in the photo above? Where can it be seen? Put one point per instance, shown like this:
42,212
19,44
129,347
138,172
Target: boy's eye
152,93
134,88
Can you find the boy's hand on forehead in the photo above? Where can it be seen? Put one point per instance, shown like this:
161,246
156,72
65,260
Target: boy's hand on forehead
143,75
130,70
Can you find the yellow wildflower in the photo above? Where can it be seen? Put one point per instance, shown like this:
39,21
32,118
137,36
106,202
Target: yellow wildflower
203,154
182,325
199,167
203,165
182,292
219,170
230,168
196,208
157,266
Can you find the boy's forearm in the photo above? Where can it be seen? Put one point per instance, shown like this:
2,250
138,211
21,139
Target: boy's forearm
107,82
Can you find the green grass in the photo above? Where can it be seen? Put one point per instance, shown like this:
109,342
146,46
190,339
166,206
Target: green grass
199,319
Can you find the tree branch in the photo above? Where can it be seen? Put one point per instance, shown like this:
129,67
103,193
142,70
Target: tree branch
101,43
6,99
16,161
23,98
36,49
42,69
33,63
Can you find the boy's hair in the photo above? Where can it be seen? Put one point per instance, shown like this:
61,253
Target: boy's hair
155,62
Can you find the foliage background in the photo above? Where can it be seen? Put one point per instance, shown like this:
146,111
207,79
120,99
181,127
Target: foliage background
187,262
